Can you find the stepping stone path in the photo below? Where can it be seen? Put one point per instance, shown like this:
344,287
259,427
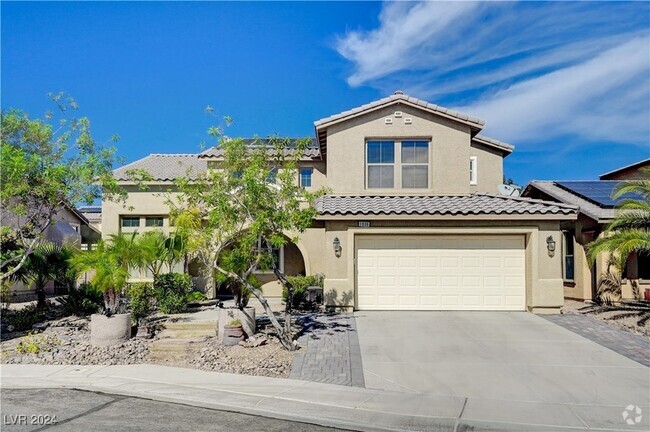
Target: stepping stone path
180,340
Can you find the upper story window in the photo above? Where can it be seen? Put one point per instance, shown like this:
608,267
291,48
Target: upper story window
415,164
473,170
401,164
568,255
130,222
305,177
154,221
380,158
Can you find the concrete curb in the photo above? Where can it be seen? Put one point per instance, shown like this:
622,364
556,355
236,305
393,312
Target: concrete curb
301,401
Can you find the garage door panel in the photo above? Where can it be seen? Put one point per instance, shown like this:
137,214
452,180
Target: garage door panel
441,272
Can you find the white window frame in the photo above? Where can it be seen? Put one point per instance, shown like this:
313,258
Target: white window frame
381,164
473,170
403,164
565,244
311,176
397,164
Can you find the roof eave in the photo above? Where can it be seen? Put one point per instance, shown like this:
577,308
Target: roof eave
448,217
325,123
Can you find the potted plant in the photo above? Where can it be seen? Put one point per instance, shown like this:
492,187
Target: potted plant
241,311
110,263
233,333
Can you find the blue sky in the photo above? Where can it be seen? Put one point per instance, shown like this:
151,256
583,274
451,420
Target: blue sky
567,83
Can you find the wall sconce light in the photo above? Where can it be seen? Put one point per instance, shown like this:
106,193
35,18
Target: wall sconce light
550,245
336,243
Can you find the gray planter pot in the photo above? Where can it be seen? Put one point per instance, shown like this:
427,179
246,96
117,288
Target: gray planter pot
246,317
107,331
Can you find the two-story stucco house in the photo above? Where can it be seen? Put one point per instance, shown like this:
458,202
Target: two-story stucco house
413,220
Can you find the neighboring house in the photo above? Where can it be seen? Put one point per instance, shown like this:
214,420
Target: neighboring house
413,219
69,227
93,214
597,209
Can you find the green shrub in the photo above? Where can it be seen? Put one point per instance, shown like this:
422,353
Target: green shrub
25,318
82,300
234,322
172,291
141,297
35,343
300,284
196,297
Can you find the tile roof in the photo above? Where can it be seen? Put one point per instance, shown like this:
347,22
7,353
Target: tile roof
494,143
474,204
165,167
311,152
639,164
563,195
399,96
90,209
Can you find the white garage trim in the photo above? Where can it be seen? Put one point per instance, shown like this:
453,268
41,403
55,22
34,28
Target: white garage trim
440,272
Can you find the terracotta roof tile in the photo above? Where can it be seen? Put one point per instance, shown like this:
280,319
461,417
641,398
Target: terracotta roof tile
474,204
399,96
165,167
311,152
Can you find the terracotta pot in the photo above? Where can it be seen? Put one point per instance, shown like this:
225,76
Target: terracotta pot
232,334
107,331
246,317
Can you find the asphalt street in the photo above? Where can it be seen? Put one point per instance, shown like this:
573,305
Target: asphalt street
74,410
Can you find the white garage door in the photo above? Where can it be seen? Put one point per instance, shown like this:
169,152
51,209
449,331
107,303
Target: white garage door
441,272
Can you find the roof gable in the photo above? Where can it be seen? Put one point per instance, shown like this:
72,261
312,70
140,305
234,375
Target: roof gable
618,173
399,97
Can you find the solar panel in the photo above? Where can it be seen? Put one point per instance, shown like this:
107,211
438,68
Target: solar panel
597,191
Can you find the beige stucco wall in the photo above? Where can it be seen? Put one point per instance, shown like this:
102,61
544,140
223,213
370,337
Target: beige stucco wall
581,287
448,156
544,273
489,168
143,203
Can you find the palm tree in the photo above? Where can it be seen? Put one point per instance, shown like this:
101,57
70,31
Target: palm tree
629,232
111,261
48,262
152,252
176,249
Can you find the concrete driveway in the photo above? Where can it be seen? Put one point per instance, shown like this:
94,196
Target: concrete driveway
514,357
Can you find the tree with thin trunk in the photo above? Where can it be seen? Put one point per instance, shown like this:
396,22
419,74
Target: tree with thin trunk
241,210
47,165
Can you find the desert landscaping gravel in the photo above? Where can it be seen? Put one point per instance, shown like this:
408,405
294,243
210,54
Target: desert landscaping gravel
67,341
619,317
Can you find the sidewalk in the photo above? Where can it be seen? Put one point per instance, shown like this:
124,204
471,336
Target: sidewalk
323,404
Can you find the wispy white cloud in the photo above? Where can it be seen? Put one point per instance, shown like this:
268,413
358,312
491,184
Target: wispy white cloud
531,71
404,29
605,97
